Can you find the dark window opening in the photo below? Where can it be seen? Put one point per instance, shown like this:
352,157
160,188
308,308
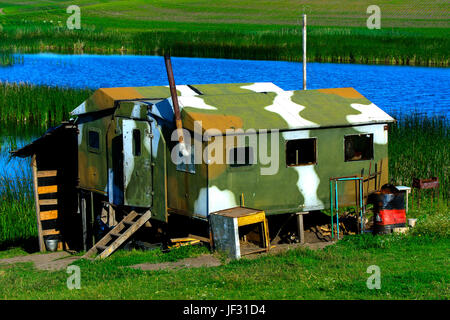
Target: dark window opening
94,140
240,157
136,142
359,147
301,152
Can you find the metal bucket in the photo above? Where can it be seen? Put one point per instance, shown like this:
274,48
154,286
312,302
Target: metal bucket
51,244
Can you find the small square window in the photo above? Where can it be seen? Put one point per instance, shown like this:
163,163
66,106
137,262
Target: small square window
301,152
94,140
358,147
241,156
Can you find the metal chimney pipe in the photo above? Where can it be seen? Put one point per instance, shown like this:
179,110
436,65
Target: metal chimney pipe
176,107
304,52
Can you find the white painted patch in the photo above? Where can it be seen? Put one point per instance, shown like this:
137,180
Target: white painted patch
146,139
201,204
308,183
263,87
380,136
194,102
289,111
128,157
369,113
80,109
136,112
297,134
155,140
220,199
80,134
185,91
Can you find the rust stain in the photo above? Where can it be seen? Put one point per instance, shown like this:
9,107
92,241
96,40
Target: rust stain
93,176
104,98
343,92
212,121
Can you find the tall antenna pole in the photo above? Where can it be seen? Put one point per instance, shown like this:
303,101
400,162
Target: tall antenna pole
304,52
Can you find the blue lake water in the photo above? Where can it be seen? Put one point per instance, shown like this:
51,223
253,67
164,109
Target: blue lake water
395,89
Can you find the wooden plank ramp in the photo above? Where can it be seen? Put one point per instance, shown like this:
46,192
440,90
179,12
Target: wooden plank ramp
118,235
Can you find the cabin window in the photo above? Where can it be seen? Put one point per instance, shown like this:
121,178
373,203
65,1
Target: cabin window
358,147
137,142
187,165
94,140
301,152
242,156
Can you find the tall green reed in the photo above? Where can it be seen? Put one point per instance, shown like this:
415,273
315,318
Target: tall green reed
25,104
419,147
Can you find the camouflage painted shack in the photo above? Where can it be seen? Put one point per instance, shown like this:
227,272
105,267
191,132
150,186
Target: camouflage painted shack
125,147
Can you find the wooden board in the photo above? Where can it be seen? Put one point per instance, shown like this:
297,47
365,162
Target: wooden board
45,174
49,215
50,232
251,219
47,189
48,202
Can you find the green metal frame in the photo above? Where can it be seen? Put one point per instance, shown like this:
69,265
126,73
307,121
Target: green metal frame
360,181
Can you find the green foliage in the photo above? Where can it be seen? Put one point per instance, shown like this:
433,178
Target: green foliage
240,30
8,59
433,225
25,104
17,211
419,147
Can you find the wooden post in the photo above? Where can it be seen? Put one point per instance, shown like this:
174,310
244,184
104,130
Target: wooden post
84,222
300,226
304,52
92,218
36,200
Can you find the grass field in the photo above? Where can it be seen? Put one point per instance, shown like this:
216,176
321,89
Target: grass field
416,35
411,267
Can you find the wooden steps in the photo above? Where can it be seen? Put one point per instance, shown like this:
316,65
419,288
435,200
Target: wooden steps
117,236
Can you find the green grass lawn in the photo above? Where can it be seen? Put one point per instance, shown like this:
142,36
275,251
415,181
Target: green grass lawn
411,267
416,35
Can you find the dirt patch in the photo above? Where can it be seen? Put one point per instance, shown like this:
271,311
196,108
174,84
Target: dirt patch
206,260
48,261
1,11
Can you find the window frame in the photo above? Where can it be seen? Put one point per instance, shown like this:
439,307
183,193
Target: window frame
237,166
90,148
358,135
302,164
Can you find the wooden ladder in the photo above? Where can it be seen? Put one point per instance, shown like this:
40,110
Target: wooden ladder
45,185
113,239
